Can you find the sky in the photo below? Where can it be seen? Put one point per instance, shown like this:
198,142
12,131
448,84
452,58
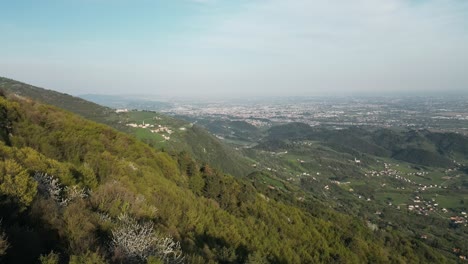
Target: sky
236,48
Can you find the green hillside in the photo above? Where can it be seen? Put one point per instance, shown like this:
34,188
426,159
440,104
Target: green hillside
185,137
411,180
236,132
73,191
418,147
203,146
70,103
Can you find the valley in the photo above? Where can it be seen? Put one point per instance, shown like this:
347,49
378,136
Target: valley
399,164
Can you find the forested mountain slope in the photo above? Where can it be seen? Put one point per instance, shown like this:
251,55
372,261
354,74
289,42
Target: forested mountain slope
71,103
195,141
74,191
421,147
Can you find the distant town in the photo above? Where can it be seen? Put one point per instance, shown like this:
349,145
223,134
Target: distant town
448,114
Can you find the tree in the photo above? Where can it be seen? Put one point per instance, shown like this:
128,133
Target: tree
256,258
4,245
51,258
134,242
49,187
16,183
196,184
87,258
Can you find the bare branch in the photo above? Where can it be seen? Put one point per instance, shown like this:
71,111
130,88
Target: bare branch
138,241
50,186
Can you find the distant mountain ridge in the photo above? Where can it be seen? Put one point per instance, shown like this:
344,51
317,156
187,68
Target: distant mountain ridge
415,146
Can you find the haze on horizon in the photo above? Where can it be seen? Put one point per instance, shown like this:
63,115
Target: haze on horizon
236,48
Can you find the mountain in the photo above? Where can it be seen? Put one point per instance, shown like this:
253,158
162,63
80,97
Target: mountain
65,101
418,147
235,132
206,148
203,146
74,191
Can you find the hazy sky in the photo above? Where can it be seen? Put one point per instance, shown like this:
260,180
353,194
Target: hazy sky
216,47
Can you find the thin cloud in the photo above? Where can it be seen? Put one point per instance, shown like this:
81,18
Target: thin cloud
203,1
265,47
282,26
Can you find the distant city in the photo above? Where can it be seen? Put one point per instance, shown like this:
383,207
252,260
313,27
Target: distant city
445,114
432,113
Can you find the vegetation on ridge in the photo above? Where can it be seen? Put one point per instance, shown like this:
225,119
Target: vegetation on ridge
202,146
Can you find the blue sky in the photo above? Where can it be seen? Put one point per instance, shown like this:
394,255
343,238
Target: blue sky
236,48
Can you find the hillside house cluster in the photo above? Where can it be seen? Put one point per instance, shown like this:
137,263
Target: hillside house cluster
421,206
389,172
459,220
154,129
162,129
142,125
